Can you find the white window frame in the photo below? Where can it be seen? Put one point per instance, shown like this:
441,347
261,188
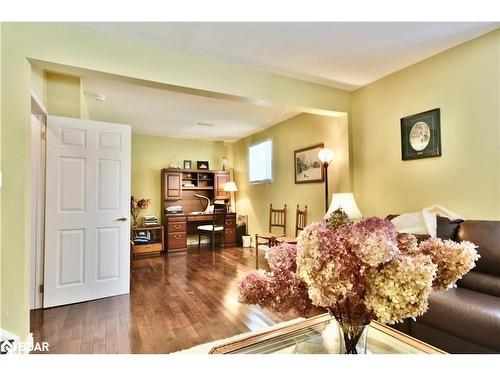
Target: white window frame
266,181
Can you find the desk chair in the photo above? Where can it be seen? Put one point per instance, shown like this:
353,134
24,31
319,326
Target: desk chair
277,218
300,224
217,227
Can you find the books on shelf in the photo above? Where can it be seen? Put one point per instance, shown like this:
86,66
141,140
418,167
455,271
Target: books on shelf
150,221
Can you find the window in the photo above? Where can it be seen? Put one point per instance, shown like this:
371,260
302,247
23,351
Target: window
260,162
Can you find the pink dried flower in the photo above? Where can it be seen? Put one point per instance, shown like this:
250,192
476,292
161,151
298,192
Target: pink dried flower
407,243
279,289
453,260
282,258
254,288
374,240
143,203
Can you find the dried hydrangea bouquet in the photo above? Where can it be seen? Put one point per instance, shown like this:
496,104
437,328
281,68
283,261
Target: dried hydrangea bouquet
358,272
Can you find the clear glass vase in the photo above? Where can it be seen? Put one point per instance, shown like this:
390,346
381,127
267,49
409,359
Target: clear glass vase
352,339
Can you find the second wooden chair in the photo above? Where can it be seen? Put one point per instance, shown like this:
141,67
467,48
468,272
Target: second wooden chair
300,224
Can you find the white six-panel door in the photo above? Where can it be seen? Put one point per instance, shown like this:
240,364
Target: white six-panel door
87,239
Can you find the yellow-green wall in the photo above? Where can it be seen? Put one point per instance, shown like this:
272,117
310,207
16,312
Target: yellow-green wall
298,132
74,46
63,95
152,153
464,82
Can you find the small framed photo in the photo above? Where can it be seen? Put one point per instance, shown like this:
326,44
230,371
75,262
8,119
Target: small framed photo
201,164
421,135
187,164
308,167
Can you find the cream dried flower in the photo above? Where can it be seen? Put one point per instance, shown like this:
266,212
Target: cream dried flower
453,260
400,288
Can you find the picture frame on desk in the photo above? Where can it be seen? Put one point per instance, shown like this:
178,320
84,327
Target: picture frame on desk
187,164
202,164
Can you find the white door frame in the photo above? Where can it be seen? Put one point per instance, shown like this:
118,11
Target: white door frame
38,151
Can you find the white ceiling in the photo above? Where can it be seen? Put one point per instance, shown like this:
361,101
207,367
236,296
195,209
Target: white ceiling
161,112
340,54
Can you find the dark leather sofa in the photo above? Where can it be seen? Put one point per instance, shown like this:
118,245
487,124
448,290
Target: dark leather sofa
465,319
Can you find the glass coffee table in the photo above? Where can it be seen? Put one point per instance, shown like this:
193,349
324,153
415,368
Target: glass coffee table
319,335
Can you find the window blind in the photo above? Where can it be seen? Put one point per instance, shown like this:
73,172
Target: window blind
260,162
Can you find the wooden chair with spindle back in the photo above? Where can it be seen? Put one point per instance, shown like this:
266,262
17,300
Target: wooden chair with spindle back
277,219
300,224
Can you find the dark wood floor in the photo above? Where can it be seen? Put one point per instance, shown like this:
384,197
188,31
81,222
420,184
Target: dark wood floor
176,302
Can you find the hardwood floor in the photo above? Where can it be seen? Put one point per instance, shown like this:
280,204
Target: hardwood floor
176,301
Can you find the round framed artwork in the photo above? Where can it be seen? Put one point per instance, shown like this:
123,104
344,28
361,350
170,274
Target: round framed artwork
421,135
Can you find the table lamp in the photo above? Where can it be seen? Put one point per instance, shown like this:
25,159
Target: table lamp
347,203
230,187
325,155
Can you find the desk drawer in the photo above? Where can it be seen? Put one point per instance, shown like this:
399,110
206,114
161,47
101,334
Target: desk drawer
230,236
200,218
149,248
176,226
230,223
172,219
177,241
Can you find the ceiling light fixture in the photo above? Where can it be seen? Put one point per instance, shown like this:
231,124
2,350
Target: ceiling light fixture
100,98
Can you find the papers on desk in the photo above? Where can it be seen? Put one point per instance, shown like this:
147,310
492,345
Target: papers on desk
174,210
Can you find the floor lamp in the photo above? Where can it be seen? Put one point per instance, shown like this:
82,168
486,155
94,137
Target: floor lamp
325,155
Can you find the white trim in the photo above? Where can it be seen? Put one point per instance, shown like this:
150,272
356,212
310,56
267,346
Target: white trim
38,201
37,106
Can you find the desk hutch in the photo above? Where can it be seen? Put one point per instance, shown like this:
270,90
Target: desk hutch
178,188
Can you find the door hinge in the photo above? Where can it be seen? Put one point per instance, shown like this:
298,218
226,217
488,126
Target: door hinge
40,288
43,135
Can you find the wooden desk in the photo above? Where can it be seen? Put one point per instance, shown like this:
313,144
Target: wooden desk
178,226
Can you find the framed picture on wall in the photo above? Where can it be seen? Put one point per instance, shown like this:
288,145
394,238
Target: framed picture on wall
187,164
308,168
421,135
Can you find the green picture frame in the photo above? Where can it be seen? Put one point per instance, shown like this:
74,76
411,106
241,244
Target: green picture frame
421,135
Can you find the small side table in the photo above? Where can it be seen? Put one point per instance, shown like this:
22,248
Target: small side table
154,247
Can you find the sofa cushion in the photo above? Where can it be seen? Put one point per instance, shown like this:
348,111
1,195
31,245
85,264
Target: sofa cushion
481,282
466,314
445,341
486,235
447,229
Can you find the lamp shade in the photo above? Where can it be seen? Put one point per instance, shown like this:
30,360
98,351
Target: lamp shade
347,203
325,155
230,186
